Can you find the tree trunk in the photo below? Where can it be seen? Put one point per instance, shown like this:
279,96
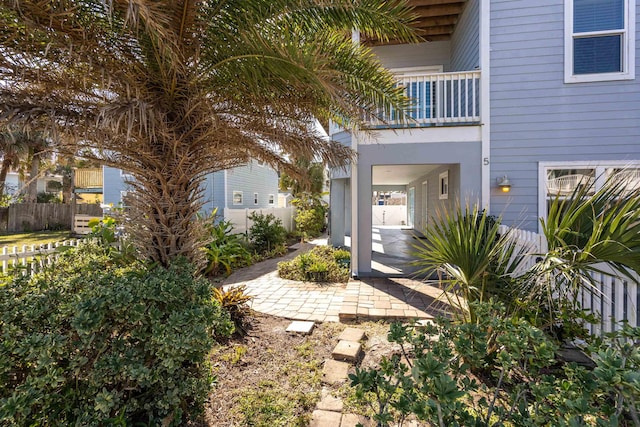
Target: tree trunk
32,193
163,216
4,170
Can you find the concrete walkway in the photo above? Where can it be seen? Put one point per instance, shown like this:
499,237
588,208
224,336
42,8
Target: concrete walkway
365,299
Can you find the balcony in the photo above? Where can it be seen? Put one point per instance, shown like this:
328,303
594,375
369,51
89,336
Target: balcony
88,179
439,99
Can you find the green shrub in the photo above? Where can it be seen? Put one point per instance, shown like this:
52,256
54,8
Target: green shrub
226,250
310,215
266,232
319,265
499,372
85,342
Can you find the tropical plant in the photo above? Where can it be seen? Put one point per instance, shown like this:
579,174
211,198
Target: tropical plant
310,181
234,301
472,259
13,146
226,250
501,371
310,215
172,90
321,264
586,234
266,232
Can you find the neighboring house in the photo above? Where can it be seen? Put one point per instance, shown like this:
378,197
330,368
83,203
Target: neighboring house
45,184
88,185
252,186
543,93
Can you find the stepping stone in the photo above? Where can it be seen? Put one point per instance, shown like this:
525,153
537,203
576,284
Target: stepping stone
321,418
352,334
301,327
348,351
351,420
330,403
335,372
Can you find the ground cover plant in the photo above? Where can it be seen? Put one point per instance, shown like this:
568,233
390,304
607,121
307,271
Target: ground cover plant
321,264
93,340
500,371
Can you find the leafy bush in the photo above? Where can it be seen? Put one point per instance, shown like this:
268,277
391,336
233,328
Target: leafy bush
319,265
235,301
310,215
226,250
85,342
44,197
266,233
499,371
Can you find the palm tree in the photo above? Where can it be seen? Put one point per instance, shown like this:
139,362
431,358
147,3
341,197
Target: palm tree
173,90
13,146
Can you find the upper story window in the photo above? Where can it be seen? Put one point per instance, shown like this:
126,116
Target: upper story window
599,40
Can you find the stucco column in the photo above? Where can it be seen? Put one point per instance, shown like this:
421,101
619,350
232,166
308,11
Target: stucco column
337,218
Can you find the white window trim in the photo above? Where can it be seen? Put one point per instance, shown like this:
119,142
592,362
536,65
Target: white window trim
272,199
628,47
125,175
233,198
255,199
599,165
443,177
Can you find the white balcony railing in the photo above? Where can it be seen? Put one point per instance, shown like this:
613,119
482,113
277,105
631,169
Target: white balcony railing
441,98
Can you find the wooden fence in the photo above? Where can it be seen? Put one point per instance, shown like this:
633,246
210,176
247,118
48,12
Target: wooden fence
241,222
21,217
30,258
615,299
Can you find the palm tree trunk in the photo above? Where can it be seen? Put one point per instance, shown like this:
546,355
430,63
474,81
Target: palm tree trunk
165,205
32,193
4,170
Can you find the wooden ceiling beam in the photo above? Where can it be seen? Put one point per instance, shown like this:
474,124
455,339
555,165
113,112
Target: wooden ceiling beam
427,12
436,21
432,31
418,3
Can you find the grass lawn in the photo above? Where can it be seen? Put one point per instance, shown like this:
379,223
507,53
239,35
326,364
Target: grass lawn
33,238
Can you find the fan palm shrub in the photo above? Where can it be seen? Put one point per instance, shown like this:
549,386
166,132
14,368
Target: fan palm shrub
473,261
587,235
170,91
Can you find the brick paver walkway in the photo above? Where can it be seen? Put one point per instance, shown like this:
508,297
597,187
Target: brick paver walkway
366,299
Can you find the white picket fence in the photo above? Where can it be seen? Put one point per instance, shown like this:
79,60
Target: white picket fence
30,258
615,299
241,222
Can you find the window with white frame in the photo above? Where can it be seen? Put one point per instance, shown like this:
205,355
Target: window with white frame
272,199
443,192
599,40
561,179
237,197
255,198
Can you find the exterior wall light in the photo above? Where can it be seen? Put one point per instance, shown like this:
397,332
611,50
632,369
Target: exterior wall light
504,184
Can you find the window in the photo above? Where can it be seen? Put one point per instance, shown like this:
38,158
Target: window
237,197
444,185
561,179
272,199
255,198
599,40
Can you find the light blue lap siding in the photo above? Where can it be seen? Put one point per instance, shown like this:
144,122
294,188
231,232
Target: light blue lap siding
536,117
464,42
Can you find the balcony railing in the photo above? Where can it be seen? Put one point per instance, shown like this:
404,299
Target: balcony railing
438,99
88,178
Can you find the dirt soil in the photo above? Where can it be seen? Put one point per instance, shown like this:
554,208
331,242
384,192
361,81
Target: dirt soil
273,378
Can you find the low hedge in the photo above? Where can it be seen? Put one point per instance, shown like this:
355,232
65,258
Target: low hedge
87,342
321,264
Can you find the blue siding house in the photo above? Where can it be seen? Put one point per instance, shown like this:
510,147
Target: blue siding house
540,93
252,186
